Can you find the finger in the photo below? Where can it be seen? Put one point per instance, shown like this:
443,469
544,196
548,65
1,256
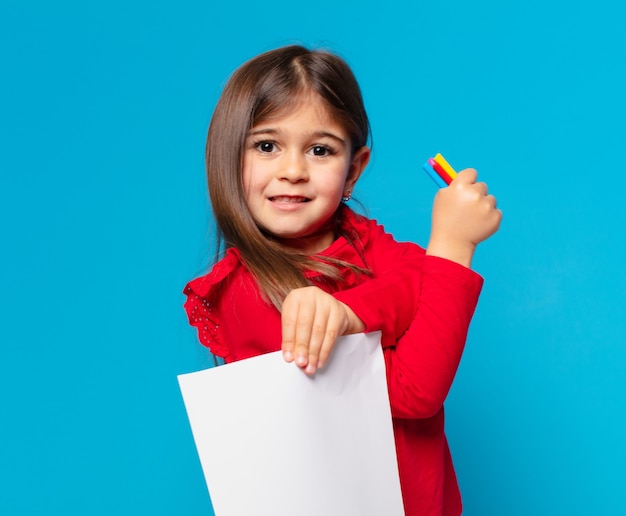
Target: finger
498,217
303,329
289,342
317,337
333,328
288,318
481,188
467,175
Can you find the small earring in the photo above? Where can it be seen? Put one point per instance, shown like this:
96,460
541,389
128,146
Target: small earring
347,197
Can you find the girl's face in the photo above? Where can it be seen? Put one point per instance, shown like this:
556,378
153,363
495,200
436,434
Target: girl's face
296,168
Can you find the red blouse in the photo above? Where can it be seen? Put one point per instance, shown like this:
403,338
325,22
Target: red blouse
422,304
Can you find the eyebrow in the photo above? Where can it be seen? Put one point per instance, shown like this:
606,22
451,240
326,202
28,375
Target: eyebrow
314,134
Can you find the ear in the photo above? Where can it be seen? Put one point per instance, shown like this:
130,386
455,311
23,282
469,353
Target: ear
359,161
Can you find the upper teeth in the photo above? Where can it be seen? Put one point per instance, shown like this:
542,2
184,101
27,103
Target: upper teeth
284,198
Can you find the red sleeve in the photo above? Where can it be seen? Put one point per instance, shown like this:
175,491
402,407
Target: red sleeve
423,363
203,316
202,304
423,305
388,300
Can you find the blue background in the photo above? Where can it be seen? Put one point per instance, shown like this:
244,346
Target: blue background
103,113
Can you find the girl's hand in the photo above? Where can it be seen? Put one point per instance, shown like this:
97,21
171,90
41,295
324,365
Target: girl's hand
311,322
464,214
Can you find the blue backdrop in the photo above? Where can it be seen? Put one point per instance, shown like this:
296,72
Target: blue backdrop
103,113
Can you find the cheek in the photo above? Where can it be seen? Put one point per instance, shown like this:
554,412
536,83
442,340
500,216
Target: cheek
335,182
254,172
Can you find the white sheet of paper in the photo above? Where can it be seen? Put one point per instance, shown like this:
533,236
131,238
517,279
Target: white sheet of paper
274,441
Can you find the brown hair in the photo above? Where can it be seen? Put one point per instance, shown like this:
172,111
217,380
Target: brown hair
267,85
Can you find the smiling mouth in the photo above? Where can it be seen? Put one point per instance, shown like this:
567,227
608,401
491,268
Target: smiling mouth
289,199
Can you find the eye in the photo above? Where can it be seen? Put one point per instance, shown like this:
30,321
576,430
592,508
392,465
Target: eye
321,151
266,146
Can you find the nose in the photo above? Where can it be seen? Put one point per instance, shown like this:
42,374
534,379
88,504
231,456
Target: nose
294,167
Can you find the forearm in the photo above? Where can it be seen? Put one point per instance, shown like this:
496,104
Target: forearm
458,252
422,365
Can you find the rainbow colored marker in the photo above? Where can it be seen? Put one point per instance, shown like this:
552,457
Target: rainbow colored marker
439,170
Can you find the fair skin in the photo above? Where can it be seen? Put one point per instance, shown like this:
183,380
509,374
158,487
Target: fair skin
295,170
464,215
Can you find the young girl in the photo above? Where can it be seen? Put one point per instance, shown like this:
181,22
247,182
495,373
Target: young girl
286,146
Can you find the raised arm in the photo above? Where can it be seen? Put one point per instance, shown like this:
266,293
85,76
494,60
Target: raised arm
422,365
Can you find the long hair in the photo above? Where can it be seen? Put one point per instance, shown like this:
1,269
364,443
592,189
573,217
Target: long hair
267,85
